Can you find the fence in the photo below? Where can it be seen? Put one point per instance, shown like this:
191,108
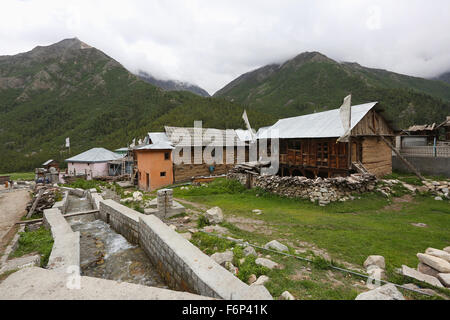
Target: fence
431,151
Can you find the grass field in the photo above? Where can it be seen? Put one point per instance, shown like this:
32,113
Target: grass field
26,176
346,232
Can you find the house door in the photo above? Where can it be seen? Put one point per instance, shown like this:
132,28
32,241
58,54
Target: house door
147,181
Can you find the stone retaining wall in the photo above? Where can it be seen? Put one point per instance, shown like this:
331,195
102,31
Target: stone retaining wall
318,190
183,265
66,247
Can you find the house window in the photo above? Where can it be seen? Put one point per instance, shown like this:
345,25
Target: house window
162,174
166,155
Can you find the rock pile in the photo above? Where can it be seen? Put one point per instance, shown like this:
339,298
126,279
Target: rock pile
438,188
433,267
324,191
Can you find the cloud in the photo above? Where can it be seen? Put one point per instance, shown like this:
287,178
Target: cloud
210,43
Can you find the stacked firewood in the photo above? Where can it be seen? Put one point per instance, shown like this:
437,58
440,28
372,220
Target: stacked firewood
44,198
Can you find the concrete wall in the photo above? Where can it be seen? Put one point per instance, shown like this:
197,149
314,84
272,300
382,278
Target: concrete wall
426,165
62,205
184,266
66,247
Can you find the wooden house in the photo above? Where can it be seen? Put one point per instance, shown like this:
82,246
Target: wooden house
446,126
50,164
309,147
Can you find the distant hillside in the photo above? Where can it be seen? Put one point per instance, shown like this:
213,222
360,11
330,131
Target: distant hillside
171,85
313,82
444,77
70,89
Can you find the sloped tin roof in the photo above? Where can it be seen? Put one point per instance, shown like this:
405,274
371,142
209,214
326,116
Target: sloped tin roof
316,125
95,155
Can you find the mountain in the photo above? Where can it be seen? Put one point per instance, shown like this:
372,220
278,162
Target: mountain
70,89
312,82
171,85
444,77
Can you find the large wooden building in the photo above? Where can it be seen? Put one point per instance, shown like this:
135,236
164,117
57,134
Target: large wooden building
309,147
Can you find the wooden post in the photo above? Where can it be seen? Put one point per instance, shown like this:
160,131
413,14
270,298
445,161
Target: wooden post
406,162
35,203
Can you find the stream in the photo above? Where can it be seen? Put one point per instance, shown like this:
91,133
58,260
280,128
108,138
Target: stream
108,255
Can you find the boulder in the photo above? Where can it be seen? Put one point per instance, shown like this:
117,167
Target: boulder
287,296
223,257
249,251
411,273
438,253
447,249
439,264
266,263
426,269
438,199
375,260
376,272
275,245
386,292
230,267
258,212
137,195
261,281
214,215
445,279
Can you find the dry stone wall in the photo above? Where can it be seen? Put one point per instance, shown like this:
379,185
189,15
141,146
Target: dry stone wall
324,191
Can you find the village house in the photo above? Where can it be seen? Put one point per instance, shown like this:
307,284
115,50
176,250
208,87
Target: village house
92,163
155,164
50,164
309,147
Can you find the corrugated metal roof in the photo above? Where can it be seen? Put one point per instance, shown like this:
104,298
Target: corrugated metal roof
156,146
95,155
156,137
47,162
207,136
316,125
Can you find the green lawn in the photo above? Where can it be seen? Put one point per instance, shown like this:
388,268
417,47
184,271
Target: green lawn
349,232
27,176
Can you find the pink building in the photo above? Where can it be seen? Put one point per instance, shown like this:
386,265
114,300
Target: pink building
92,163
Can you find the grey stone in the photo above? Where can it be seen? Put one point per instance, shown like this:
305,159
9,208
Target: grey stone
214,215
376,272
439,264
266,263
249,251
223,257
257,212
438,253
261,281
287,296
438,199
426,269
386,292
447,249
445,279
275,245
375,260
411,273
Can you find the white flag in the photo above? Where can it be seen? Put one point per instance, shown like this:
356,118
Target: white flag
67,142
247,123
346,118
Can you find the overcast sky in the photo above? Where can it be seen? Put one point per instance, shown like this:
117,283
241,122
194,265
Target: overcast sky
211,42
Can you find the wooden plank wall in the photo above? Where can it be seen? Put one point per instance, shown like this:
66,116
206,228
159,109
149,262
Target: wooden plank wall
376,156
374,120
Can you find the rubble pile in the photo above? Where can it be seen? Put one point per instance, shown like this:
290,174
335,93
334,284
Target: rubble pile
322,190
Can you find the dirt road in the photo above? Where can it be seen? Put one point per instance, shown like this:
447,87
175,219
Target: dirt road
12,208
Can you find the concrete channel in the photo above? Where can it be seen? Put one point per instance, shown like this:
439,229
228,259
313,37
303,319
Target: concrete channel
117,245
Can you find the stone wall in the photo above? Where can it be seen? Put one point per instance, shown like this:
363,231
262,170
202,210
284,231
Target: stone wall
122,219
66,247
184,266
321,190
